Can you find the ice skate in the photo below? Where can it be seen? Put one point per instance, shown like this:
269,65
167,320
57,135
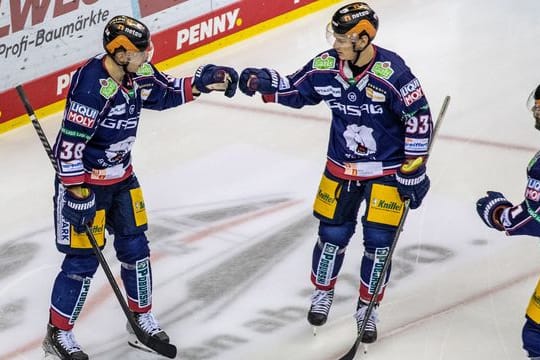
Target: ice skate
148,324
321,301
61,344
370,332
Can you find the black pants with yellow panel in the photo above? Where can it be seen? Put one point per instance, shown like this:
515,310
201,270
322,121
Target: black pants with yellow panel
337,206
120,210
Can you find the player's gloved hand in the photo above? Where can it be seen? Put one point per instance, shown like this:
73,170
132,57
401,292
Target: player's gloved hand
413,182
265,81
220,78
490,208
79,211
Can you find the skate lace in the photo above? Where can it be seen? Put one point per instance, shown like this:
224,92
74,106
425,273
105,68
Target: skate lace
371,321
148,323
321,301
67,340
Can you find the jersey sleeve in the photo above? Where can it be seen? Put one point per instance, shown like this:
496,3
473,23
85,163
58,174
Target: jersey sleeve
524,218
416,115
160,91
296,90
80,121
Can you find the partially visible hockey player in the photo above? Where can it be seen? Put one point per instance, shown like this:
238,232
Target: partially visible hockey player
521,219
379,137
96,184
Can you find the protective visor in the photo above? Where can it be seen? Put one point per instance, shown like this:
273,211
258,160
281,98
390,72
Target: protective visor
337,39
140,57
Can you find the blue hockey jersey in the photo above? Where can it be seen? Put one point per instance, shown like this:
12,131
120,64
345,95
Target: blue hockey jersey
524,218
101,117
379,118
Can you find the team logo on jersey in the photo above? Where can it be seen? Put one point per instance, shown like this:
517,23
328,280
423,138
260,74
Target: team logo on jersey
533,190
324,62
117,151
81,114
108,88
360,140
383,69
411,92
351,97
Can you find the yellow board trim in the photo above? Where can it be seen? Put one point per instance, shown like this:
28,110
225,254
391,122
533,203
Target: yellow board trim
192,54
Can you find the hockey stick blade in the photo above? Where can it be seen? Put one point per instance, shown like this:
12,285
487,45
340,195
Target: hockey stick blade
151,342
352,351
160,347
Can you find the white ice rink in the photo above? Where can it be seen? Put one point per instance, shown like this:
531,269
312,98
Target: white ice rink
229,185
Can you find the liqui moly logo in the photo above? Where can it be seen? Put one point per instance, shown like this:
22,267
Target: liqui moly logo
208,29
411,92
81,114
533,190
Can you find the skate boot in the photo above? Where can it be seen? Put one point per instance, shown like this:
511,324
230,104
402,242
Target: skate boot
148,324
321,301
61,344
370,331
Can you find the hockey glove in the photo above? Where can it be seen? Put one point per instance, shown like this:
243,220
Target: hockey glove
413,182
79,212
490,208
265,81
220,78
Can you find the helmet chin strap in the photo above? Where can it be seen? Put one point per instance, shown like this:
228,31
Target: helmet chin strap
359,52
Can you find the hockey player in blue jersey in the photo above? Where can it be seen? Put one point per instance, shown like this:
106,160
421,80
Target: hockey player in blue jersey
96,184
521,219
379,137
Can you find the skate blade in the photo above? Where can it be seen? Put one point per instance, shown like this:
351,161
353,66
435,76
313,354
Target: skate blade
364,349
136,344
314,330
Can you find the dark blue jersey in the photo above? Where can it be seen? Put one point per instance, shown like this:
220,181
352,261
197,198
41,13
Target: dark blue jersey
524,218
101,118
379,118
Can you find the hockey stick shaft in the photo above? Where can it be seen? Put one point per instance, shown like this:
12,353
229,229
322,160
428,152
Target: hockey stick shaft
166,349
352,352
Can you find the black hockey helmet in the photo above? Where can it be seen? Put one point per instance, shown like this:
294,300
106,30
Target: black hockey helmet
125,33
354,20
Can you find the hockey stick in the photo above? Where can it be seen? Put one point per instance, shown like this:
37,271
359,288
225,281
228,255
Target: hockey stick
352,351
152,342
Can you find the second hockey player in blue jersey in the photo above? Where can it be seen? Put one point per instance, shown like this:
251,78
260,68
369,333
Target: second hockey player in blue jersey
521,219
96,185
379,137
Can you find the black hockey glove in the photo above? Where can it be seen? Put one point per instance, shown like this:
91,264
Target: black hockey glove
220,78
490,208
79,212
265,81
412,183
